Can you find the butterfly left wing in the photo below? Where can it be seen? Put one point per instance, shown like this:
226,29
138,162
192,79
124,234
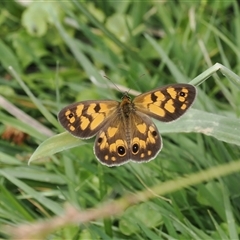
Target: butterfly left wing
166,103
111,146
85,119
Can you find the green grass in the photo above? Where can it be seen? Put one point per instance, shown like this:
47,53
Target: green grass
60,52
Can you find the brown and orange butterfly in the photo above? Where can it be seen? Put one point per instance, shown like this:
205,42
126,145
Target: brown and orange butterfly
125,130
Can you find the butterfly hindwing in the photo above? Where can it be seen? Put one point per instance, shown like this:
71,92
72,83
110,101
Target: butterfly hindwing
111,146
145,141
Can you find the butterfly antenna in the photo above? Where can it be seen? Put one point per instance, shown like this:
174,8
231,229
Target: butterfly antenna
113,83
123,90
143,74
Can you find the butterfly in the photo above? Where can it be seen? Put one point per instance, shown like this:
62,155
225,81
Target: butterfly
124,130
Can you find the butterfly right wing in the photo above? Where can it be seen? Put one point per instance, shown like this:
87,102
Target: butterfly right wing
166,103
85,119
146,142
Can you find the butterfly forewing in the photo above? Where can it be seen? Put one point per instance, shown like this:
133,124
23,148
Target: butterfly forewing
85,119
166,103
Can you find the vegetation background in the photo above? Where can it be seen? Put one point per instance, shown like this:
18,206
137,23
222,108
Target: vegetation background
61,50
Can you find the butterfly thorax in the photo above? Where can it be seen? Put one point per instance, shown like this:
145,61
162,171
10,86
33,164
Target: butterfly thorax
126,106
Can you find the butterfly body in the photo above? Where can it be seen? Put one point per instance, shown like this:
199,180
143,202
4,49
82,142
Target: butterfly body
124,130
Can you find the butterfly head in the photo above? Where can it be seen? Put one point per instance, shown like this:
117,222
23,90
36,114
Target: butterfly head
126,100
126,97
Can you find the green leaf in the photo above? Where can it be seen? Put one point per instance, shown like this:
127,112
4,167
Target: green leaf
56,144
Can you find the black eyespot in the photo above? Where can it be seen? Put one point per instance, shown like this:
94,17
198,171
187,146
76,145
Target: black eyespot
121,150
182,94
154,133
135,148
99,140
70,115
